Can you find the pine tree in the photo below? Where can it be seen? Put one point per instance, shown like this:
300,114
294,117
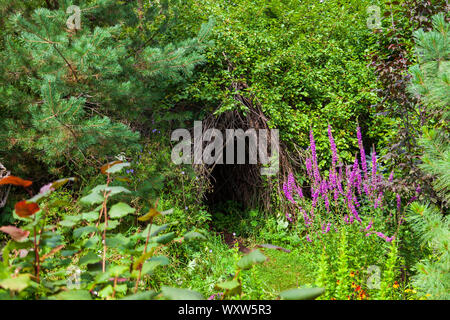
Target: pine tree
430,83
69,95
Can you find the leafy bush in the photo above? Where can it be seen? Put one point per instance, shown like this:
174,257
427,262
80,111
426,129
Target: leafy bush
304,63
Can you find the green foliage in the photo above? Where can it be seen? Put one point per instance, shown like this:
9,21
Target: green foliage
430,82
389,275
74,93
433,277
99,256
304,63
436,160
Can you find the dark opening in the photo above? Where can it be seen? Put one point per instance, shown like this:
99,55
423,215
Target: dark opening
234,182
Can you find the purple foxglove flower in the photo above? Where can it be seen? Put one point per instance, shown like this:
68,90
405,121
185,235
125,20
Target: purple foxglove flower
287,193
315,195
362,152
326,228
311,213
418,189
354,173
307,238
291,183
348,177
332,177
380,199
366,190
374,165
327,203
381,235
314,158
413,198
355,200
369,226
358,181
346,219
333,147
336,195
299,192
309,167
391,176
355,214
398,202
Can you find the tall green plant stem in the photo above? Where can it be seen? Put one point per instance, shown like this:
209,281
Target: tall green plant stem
145,251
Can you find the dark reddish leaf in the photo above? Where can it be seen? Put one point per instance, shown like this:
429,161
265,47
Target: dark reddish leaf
26,209
15,181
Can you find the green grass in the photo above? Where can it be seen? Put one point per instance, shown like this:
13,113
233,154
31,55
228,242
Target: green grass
284,271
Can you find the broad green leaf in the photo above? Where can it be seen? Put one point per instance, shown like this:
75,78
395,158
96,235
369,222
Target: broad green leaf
165,238
181,294
111,190
89,258
70,221
250,259
112,224
90,216
228,285
96,194
92,242
72,295
194,235
146,295
51,239
92,198
120,210
109,165
154,231
154,262
231,287
106,291
142,258
302,293
79,232
68,253
117,271
118,241
117,167
67,223
18,283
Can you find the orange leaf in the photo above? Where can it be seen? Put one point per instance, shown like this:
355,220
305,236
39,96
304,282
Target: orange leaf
16,234
26,209
109,165
15,181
